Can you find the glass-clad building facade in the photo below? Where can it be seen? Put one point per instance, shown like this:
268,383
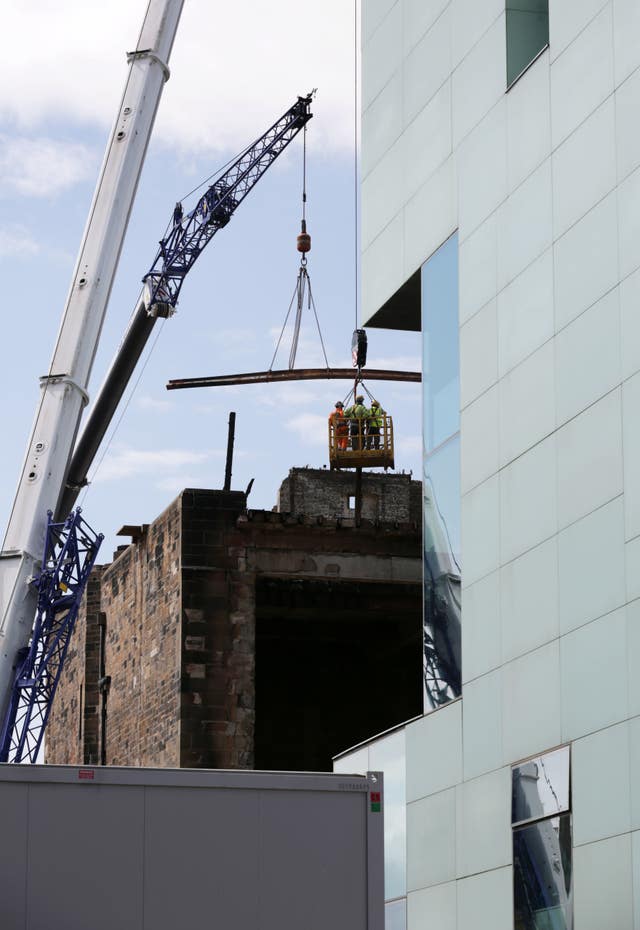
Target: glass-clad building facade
441,480
387,754
501,210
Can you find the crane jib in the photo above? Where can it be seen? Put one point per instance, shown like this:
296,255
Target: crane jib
176,255
188,237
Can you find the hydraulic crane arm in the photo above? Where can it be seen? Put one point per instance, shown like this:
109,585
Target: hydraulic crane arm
64,387
178,251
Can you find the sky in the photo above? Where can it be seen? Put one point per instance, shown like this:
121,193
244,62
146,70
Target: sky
234,71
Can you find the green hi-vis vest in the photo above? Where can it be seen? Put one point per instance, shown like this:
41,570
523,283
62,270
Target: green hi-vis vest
359,411
377,413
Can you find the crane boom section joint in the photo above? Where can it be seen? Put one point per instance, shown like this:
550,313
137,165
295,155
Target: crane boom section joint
151,55
46,380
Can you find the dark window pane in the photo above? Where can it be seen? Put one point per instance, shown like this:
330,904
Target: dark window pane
441,362
542,875
540,787
527,34
442,575
395,915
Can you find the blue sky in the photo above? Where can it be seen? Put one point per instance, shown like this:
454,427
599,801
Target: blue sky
65,71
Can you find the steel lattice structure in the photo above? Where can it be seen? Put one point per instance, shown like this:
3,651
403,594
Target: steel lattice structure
70,553
188,237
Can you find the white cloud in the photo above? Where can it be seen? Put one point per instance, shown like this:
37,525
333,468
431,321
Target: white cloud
309,352
395,362
287,396
176,483
233,69
236,337
152,403
17,242
126,463
310,427
42,167
409,445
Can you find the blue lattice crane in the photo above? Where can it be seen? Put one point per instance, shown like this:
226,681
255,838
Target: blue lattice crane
32,652
70,553
184,242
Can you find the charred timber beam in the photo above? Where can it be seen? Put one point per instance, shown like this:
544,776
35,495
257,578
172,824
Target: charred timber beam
294,374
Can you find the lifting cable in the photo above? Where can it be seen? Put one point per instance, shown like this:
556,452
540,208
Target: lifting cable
355,156
354,390
302,291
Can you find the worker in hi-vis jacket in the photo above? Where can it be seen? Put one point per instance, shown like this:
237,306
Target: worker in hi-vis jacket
374,425
340,425
357,415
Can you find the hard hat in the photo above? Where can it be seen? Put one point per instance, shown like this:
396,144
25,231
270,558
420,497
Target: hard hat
360,399
339,403
374,403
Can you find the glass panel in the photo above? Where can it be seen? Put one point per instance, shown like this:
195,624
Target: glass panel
442,575
527,34
542,875
441,357
388,755
395,915
540,787
441,379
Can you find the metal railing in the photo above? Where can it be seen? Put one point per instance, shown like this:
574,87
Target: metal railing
361,442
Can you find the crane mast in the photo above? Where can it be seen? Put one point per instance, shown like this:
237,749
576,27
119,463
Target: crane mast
64,387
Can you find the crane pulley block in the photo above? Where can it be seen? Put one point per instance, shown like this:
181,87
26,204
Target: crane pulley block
359,348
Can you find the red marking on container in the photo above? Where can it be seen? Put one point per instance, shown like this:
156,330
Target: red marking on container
375,797
86,774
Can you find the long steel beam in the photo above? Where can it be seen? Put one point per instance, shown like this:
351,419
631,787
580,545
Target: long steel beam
293,374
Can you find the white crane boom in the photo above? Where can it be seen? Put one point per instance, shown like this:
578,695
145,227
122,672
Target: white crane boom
64,388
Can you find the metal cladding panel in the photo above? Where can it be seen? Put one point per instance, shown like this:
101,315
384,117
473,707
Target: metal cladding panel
144,849
201,858
312,861
85,854
13,855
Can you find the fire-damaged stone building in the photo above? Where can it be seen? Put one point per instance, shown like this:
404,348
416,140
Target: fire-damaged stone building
227,637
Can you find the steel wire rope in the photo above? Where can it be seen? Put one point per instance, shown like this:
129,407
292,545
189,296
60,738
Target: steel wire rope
304,175
284,325
312,305
355,157
303,282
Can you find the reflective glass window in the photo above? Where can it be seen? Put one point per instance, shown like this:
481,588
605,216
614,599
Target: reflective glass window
441,487
441,355
527,34
540,786
388,755
395,915
542,875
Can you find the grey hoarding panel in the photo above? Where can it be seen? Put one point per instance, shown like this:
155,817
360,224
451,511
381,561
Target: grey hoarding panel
85,857
13,855
313,861
154,850
201,857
